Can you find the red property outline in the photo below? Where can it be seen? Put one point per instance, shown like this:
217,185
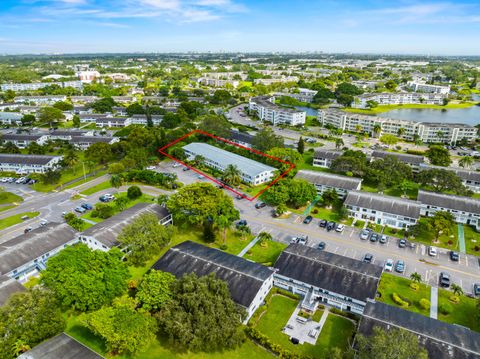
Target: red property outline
162,151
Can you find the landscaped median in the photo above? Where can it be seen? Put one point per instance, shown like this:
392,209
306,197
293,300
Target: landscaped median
17,218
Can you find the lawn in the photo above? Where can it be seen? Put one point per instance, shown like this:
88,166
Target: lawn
385,108
324,213
5,208
472,240
464,313
394,191
15,219
390,284
9,197
426,237
265,255
336,332
307,163
97,188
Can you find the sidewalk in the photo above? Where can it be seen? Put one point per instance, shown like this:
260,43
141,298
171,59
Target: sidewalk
433,302
248,246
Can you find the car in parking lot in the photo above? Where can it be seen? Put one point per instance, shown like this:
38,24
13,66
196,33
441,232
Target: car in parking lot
186,168
87,206
322,223
368,258
402,243
260,205
43,222
383,239
79,209
330,226
308,219
20,180
321,246
302,240
374,237
239,196
241,222
106,197
340,227
151,168
388,265
432,251
200,177
476,289
400,266
28,229
454,256
444,279
364,234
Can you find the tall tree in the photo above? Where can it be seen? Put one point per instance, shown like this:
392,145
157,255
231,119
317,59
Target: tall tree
215,124
155,290
301,145
50,115
466,162
441,223
438,156
265,139
441,180
99,152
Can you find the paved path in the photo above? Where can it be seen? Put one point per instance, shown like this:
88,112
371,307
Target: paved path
249,245
323,319
310,206
433,302
461,239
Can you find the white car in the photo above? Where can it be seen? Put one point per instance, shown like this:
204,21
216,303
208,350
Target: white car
176,164
388,265
43,222
151,168
340,227
20,180
432,251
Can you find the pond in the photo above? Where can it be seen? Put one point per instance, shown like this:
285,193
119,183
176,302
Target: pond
310,111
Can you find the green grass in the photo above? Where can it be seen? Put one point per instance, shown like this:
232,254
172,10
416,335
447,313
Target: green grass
464,313
386,108
9,197
390,284
324,213
307,163
471,235
426,237
393,191
32,282
336,332
6,208
393,232
361,144
15,219
265,255
97,188
317,315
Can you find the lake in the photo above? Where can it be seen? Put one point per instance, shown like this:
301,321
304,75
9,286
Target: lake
310,111
469,115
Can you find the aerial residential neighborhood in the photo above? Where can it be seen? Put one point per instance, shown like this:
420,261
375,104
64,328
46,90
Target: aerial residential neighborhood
239,179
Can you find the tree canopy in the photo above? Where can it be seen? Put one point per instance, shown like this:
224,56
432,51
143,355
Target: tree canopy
293,192
265,139
438,156
440,180
215,124
155,290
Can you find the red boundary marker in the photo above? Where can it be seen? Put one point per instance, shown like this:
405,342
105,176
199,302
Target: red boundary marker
163,152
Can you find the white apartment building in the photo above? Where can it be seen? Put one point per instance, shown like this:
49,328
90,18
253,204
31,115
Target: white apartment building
266,110
22,141
303,95
383,210
282,79
466,210
428,132
324,158
41,100
10,118
324,181
39,85
24,164
217,82
401,98
423,87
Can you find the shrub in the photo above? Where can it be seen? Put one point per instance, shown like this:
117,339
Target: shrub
103,210
315,211
414,286
133,192
344,314
223,247
399,300
477,248
425,304
265,342
445,308
455,299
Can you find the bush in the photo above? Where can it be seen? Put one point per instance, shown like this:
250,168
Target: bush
223,247
455,299
399,300
102,210
414,286
265,342
359,224
425,304
315,211
345,314
445,308
133,192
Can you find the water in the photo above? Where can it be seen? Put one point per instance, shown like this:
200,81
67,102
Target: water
469,115
310,111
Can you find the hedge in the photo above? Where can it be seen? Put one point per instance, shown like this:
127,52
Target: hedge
399,300
445,308
349,315
425,303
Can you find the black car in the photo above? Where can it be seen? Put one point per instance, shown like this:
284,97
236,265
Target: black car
321,246
476,289
402,243
374,237
322,223
331,225
368,258
444,279
239,196
260,205
308,219
241,222
87,206
186,168
454,256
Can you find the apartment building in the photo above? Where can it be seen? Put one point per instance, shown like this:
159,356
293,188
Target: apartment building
470,179
217,82
282,79
414,161
424,87
324,158
265,108
10,118
303,95
251,171
402,98
383,210
327,181
39,85
24,164
22,140
41,100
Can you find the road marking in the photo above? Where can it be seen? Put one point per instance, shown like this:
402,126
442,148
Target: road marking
466,261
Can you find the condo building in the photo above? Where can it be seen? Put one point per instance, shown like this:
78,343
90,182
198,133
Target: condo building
266,110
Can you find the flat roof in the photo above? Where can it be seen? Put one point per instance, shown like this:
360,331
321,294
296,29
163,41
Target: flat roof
387,204
442,340
225,158
244,278
263,101
26,159
459,203
330,271
328,179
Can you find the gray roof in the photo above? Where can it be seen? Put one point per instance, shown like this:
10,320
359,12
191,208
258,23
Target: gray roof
29,246
91,115
106,232
241,136
329,271
331,180
329,154
442,340
244,278
10,115
225,158
406,158
61,346
26,159
387,204
19,137
67,133
110,119
91,139
463,174
8,286
459,203
263,101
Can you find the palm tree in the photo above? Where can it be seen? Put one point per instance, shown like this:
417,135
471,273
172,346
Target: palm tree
418,141
415,277
377,129
466,162
401,132
116,181
232,175
339,143
20,347
264,237
457,290
440,134
198,160
244,231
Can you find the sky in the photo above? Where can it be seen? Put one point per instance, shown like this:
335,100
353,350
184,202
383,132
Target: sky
357,26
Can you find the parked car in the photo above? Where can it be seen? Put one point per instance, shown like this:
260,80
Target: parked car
308,220
79,209
432,251
388,265
186,168
400,266
24,218
330,226
28,229
302,240
151,168
364,234
402,243
322,223
321,246
106,197
241,222
239,196
294,240
87,206
20,180
43,222
368,258
260,205
176,164
31,181
444,279
340,227
374,237
476,289
200,177
454,256
383,239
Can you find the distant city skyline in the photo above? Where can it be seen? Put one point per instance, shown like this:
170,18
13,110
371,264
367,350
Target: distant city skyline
93,26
